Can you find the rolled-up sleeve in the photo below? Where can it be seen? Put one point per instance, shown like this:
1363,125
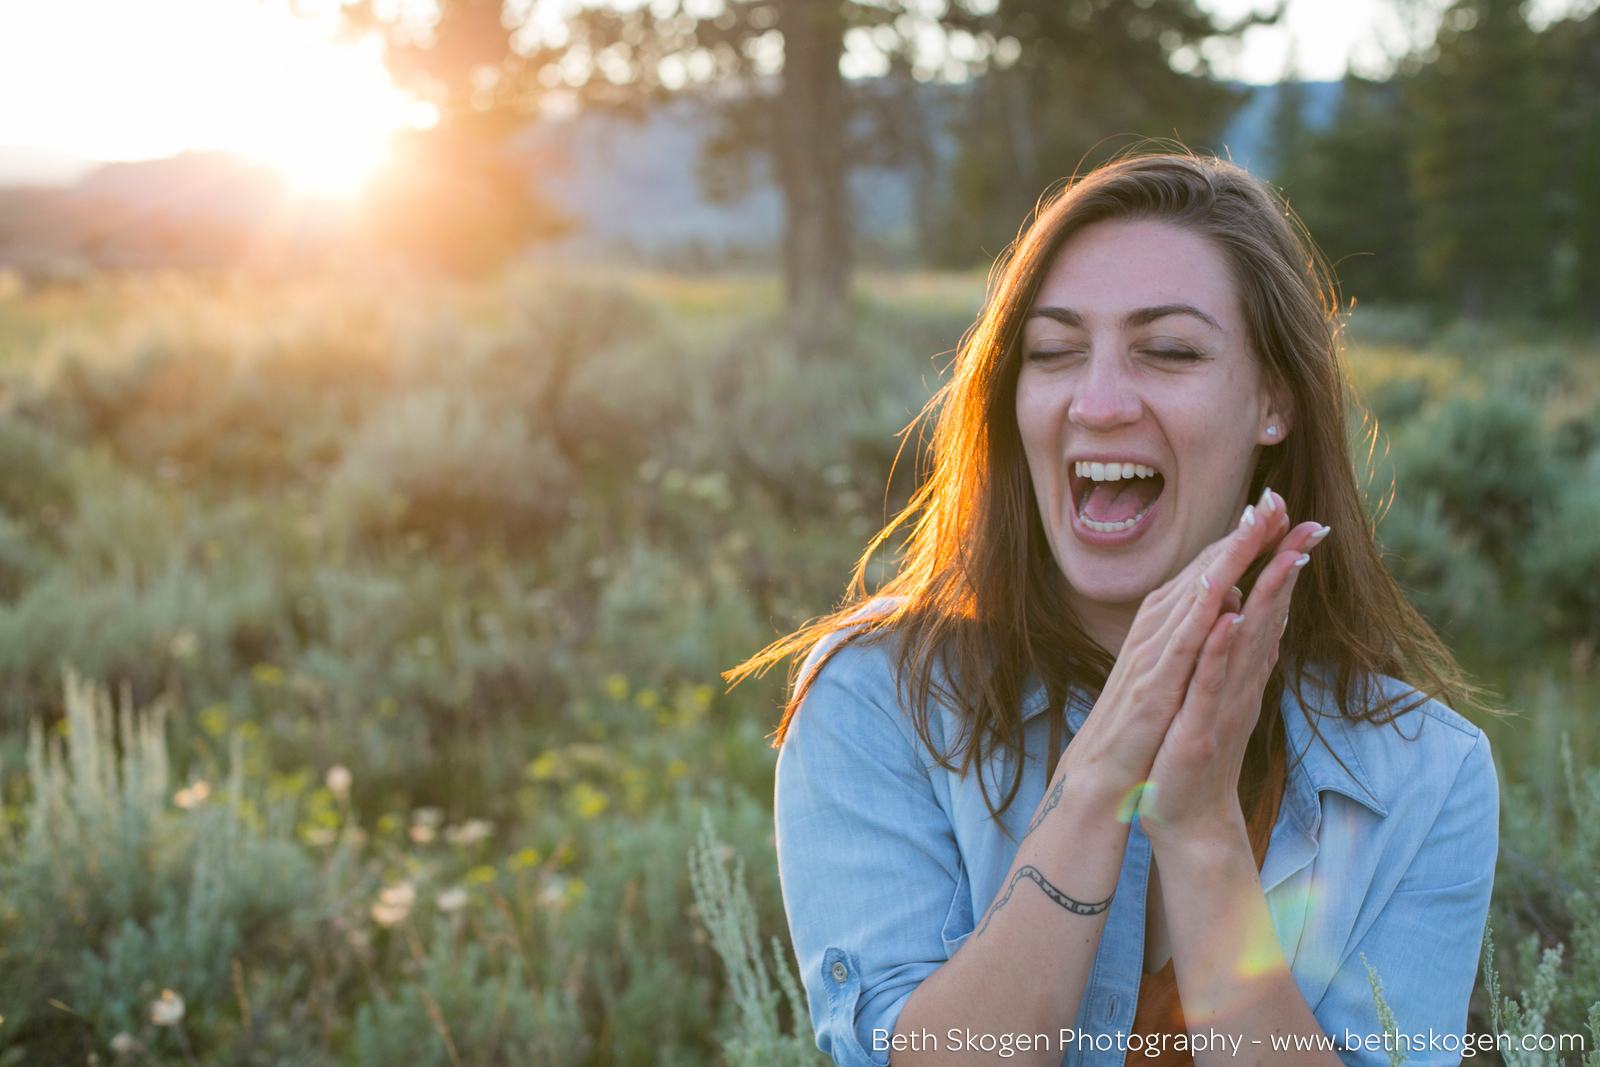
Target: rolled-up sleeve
1424,944
867,856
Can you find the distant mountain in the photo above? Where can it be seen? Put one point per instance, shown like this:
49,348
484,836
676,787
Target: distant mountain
41,167
634,187
1248,135
631,185
196,209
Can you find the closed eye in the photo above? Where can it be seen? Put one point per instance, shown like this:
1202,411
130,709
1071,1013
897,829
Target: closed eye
1180,355
1039,355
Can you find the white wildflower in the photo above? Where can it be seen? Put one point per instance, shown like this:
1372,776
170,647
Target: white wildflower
167,1010
554,893
469,832
401,893
338,781
193,796
394,904
452,899
184,645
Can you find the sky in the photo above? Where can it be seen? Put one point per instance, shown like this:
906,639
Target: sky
138,79
134,79
1324,37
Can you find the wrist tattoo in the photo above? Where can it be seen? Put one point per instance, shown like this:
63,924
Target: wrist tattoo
1049,805
1033,874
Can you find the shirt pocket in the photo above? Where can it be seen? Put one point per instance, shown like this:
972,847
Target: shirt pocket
958,922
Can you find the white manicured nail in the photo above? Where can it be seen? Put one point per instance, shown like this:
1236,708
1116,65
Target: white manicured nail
1317,537
1267,505
1205,583
1303,560
1249,516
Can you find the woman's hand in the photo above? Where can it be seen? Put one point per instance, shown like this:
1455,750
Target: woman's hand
1151,679
1195,773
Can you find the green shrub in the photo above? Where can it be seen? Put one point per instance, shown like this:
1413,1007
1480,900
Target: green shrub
756,1036
1448,580
1490,465
1562,561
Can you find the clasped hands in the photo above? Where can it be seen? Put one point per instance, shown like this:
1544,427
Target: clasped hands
1169,729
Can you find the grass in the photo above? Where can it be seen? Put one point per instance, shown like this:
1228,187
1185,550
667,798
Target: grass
414,598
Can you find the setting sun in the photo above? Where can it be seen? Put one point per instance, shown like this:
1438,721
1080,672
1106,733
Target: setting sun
119,81
327,124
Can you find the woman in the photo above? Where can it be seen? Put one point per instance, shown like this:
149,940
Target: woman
1094,780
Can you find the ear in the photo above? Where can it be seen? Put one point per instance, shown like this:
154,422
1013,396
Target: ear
1277,415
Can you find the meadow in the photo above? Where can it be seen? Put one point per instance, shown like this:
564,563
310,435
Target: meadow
360,642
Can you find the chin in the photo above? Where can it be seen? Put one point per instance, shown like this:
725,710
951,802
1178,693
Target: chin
1119,567
1111,584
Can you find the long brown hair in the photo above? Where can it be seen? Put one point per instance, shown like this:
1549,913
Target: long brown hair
979,597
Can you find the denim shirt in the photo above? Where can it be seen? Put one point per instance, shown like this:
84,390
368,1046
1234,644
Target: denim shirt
887,860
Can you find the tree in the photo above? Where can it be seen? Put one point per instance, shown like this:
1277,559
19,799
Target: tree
1068,84
785,98
1351,186
1479,161
1572,62
459,198
1291,137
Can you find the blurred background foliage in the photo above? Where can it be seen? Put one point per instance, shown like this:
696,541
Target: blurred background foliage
421,595
397,582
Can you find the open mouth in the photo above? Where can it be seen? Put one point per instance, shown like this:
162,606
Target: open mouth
1111,497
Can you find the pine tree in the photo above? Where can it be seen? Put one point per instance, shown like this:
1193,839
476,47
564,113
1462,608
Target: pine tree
1478,162
1070,84
1572,51
1352,188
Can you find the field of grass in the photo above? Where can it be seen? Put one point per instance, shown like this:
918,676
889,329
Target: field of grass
360,641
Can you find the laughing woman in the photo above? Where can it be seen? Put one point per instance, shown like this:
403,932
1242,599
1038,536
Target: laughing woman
1139,757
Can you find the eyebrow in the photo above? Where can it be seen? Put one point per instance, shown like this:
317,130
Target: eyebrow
1140,317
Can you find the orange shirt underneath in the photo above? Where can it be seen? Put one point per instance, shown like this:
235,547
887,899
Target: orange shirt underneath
1158,1008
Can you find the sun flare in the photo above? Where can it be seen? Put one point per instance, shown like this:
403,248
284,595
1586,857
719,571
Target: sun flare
255,77
327,123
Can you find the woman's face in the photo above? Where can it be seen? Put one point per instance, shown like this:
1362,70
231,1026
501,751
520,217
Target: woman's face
1140,406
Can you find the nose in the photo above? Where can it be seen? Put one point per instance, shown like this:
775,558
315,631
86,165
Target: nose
1105,397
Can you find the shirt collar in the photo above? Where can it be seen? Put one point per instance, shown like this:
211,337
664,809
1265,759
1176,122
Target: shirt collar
1321,750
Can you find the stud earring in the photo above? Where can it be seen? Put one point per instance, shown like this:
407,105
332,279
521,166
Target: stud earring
1272,431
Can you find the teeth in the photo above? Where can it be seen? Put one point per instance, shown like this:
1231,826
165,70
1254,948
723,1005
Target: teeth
1111,472
1113,527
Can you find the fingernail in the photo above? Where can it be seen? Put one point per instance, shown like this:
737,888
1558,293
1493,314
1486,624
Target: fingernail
1303,560
1205,583
1267,505
1249,516
1238,593
1317,537
1237,619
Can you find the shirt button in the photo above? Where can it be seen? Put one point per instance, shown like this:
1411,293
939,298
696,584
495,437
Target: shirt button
840,973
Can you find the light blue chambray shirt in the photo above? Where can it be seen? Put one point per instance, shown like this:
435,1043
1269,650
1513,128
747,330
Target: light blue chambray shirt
887,860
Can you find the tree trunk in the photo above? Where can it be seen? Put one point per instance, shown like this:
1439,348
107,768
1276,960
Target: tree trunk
809,152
